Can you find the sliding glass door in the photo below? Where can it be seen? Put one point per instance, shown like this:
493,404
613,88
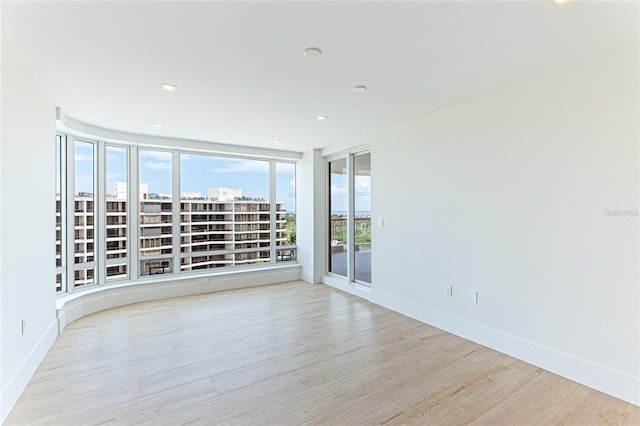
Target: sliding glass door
362,217
349,242
338,217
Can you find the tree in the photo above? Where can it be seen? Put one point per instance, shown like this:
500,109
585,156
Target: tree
290,232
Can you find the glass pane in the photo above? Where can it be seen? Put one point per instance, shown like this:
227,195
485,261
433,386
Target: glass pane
59,212
118,271
155,204
84,276
116,204
224,205
156,266
338,207
286,210
362,217
83,207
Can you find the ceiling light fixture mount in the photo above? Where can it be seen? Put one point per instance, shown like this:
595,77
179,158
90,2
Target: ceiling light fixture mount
360,88
321,117
312,52
169,87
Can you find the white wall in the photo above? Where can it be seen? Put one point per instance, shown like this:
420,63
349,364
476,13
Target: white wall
27,228
311,216
514,195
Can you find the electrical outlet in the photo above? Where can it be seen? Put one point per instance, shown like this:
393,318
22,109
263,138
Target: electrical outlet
473,296
448,291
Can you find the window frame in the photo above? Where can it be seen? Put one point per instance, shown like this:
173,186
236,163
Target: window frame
61,197
134,260
102,207
349,156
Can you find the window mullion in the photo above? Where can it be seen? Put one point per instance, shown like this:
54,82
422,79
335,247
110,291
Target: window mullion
64,225
133,213
70,211
350,219
175,210
100,215
272,210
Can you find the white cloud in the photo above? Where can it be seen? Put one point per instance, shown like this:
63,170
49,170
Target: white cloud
243,166
338,190
363,185
157,165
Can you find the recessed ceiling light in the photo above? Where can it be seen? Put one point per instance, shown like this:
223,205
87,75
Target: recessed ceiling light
169,87
312,52
276,141
158,124
321,117
360,88
561,1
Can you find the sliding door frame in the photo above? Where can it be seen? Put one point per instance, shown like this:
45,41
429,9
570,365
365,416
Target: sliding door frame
351,245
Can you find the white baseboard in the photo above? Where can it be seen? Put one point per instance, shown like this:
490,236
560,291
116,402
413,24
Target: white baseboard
311,278
342,284
27,368
602,378
88,302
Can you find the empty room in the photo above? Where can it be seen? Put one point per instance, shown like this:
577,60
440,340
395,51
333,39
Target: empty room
320,212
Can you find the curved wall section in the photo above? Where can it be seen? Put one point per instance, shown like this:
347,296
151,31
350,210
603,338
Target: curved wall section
78,128
77,305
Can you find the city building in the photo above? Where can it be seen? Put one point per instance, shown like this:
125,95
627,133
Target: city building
220,230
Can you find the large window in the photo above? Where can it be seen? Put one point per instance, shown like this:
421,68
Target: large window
60,217
84,227
156,212
116,211
193,212
285,211
224,212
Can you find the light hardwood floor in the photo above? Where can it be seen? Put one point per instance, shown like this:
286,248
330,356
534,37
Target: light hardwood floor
290,354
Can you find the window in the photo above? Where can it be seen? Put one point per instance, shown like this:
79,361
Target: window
116,210
156,212
220,204
84,188
193,212
60,216
285,211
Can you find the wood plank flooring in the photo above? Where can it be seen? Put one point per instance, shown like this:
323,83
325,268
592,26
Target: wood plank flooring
290,354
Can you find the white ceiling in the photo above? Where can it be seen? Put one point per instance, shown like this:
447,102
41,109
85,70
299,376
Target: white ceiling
242,77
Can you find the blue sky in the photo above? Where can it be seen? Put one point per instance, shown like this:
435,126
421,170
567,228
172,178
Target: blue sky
201,172
340,188
198,173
